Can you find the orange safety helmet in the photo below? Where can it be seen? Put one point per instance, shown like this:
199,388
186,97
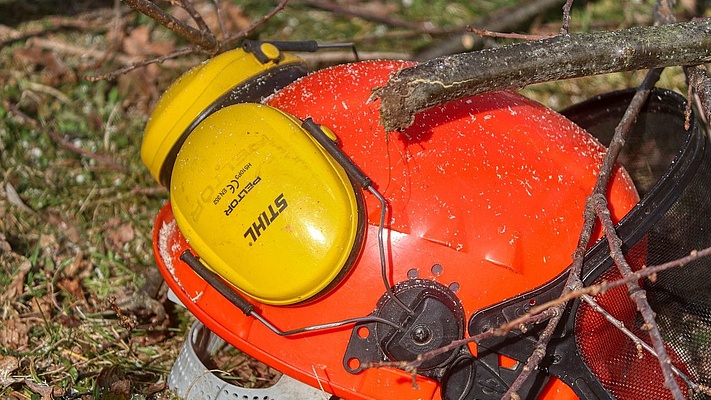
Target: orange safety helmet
479,201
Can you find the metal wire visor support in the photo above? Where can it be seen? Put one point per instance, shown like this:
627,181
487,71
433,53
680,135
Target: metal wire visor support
671,168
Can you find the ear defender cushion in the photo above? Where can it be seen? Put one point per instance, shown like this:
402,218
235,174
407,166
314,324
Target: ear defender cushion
265,206
233,77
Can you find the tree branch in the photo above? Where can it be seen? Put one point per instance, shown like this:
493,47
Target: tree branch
417,88
546,311
565,27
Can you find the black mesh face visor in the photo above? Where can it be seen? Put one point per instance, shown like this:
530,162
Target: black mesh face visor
671,168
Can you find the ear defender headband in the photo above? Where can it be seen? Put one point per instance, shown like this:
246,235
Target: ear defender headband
267,201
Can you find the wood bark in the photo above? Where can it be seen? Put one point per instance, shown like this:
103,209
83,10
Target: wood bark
443,79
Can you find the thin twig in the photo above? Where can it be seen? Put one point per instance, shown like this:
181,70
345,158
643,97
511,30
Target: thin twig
539,351
638,295
547,311
204,39
520,323
639,343
248,30
520,36
565,28
116,73
195,15
220,17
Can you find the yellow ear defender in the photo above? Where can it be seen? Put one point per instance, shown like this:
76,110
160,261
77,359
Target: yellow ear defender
264,205
259,199
237,76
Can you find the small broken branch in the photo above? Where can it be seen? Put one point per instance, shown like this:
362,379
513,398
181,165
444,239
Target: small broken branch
220,17
539,351
565,27
204,39
417,88
517,36
521,323
701,83
639,343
